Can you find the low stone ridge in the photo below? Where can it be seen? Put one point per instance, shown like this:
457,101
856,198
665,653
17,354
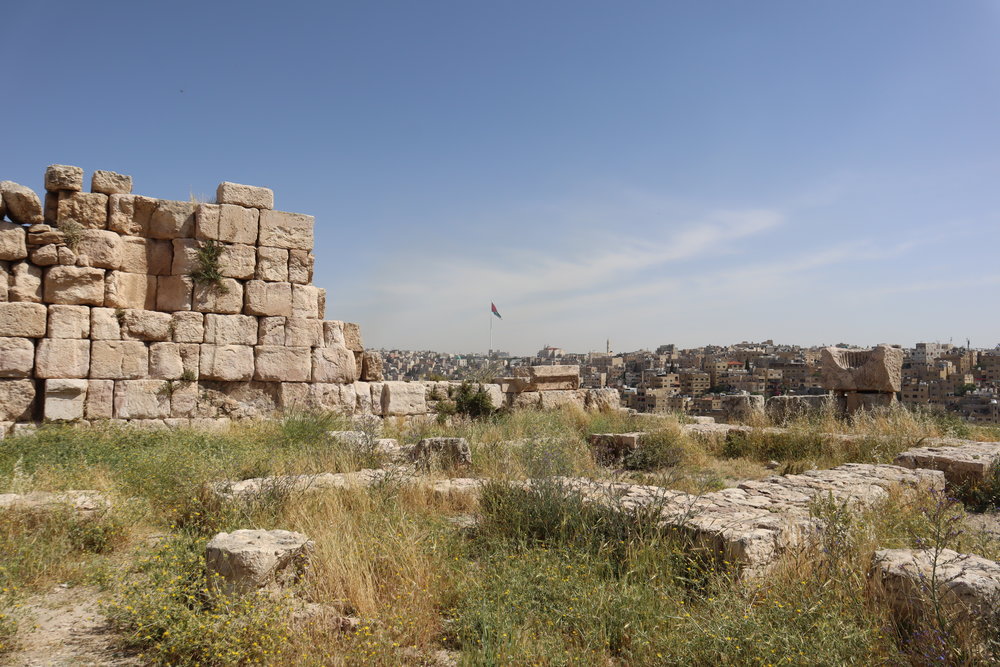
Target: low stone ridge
84,503
962,461
967,585
431,452
612,448
257,486
246,560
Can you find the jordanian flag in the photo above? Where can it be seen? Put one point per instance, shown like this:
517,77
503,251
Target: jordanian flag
496,312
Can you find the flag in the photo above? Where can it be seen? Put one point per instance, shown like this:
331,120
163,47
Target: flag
496,312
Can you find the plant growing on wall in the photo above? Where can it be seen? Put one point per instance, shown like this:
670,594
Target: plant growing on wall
208,271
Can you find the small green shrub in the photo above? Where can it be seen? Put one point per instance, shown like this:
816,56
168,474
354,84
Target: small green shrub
473,401
208,271
658,450
982,496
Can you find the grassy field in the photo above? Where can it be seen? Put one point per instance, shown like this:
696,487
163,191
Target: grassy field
544,579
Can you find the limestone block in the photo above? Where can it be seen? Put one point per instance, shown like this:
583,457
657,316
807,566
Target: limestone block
363,397
300,266
185,257
174,293
264,298
271,331
272,265
130,290
333,333
228,363
278,363
349,396
878,369
441,452
530,400
89,209
17,398
139,324
603,400
150,256
22,204
403,398
27,320
64,400
246,560
230,329
66,256
74,285
41,234
249,196
238,261
110,183
130,214
371,368
305,301
189,327
62,358
165,362
184,399
46,255
69,321
321,303
12,241
741,407
298,396
50,207
4,280
118,359
279,229
172,220
142,399
352,337
105,324
322,395
25,282
100,399
301,332
965,463
17,357
207,222
334,364
226,297
63,177
238,224
102,248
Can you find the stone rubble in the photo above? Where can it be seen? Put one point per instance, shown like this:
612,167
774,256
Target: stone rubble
246,560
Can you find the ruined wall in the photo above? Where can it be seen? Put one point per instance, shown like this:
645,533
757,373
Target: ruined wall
111,307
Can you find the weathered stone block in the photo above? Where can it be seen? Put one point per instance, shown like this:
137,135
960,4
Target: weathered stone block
151,325
63,177
118,359
282,364
174,293
403,398
246,560
352,337
301,332
42,234
334,364
165,362
207,222
228,363
104,324
130,290
189,327
74,285
230,329
17,357
130,214
17,398
89,209
100,399
271,331
172,220
25,282
225,297
333,333
110,183
66,257
279,229
238,224
69,321
441,452
249,196
305,301
26,320
46,255
64,400
139,255
22,204
264,298
238,261
272,265
102,248
297,396
185,257
371,367
62,358
878,369
300,266
12,241
184,399
142,399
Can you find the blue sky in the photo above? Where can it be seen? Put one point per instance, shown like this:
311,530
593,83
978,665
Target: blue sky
688,172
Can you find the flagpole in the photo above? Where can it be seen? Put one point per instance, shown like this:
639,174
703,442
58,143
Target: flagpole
490,355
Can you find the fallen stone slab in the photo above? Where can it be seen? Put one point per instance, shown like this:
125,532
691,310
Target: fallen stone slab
247,560
84,503
962,461
968,586
247,489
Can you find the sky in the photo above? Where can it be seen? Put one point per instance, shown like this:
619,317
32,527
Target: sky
645,172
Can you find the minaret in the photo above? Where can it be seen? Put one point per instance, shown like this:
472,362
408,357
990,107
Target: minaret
608,347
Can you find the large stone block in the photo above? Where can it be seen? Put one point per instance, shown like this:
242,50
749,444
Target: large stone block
142,399
63,177
545,378
271,331
282,364
301,332
165,361
403,398
185,257
25,282
352,337
230,329
264,298
189,327
172,220
130,290
300,266
174,293
305,301
150,256
207,222
246,560
272,265
878,369
441,452
64,400
238,261
12,241
225,297
45,255
69,321
101,248
228,363
17,357
333,333
100,399
250,196
62,358
279,229
110,183
334,364
130,214
17,398
118,359
151,325
22,204
89,209
74,285
105,324
26,320
298,396
238,224
371,367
